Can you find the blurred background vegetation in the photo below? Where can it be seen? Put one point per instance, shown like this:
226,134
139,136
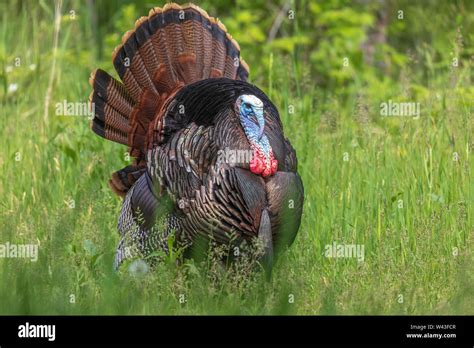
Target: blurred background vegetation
327,65
335,46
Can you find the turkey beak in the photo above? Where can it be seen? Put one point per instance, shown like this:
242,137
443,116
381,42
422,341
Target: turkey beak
261,122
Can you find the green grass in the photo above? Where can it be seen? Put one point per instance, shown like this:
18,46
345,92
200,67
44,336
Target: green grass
400,193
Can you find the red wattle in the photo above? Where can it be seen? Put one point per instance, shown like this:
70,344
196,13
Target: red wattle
257,164
274,166
260,165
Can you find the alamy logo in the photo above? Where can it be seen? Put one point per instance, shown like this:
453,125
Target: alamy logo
234,157
26,251
392,108
66,108
37,331
336,250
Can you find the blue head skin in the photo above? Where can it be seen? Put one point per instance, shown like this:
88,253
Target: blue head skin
250,111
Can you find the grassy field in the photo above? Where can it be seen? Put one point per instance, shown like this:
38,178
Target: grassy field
402,187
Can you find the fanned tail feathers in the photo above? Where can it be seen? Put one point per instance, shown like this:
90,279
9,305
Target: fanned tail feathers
172,47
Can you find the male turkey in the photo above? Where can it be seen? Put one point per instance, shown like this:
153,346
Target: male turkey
187,113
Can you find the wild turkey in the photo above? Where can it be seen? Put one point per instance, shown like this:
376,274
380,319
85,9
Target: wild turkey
185,110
